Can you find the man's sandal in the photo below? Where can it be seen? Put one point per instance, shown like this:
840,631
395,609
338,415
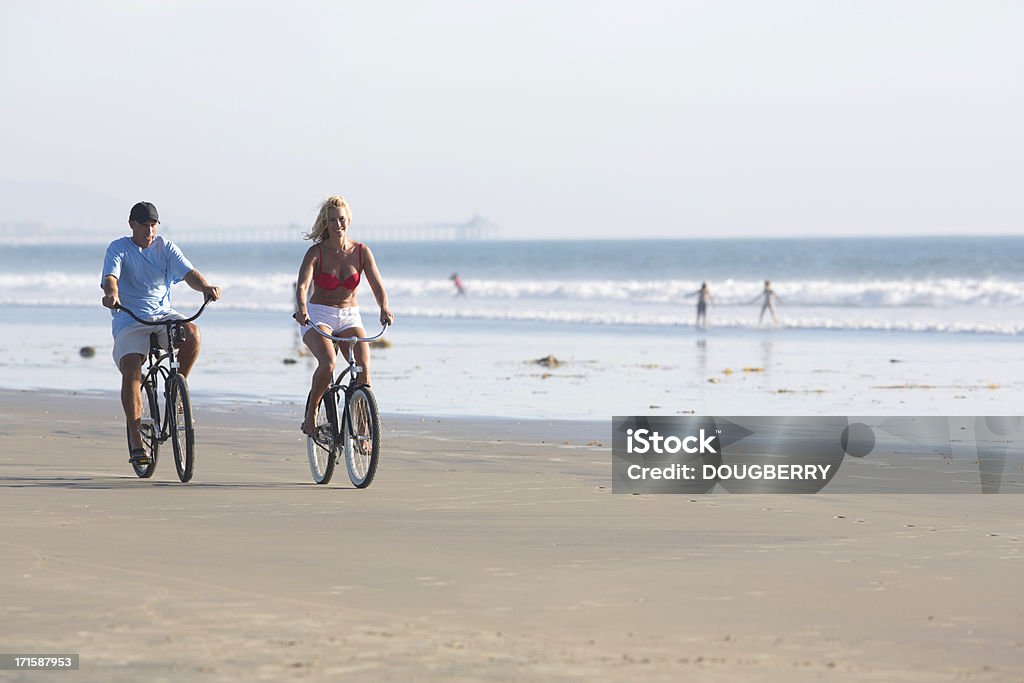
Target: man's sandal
138,456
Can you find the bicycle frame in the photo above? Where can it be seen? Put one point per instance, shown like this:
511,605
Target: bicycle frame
352,370
155,368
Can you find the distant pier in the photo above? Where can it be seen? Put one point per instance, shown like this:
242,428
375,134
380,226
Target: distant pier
476,228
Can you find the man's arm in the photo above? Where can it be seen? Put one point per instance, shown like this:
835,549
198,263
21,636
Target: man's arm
196,281
110,294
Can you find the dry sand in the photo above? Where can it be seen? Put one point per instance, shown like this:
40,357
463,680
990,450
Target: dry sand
485,550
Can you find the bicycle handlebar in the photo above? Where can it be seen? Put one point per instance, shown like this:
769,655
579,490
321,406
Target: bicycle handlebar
119,307
350,339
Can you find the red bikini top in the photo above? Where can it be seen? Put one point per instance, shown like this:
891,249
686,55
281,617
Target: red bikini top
327,281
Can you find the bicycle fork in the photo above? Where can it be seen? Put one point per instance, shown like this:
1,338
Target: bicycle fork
345,428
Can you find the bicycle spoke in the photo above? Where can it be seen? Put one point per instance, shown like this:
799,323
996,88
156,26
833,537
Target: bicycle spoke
364,431
182,430
322,447
149,430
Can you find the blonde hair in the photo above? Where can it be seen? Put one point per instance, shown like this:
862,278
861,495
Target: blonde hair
319,231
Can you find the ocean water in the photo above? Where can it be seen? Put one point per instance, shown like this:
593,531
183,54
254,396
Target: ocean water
901,324
969,285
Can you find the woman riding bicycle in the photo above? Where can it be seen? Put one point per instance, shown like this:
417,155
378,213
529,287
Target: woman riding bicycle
335,264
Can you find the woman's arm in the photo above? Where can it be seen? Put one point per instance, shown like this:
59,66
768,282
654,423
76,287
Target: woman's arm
302,286
377,285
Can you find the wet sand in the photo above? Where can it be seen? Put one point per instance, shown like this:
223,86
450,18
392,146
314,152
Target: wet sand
485,550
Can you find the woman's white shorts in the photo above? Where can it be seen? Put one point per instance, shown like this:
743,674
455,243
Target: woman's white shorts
335,319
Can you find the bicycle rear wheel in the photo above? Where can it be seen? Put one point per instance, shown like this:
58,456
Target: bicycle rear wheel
362,448
183,436
322,449
149,430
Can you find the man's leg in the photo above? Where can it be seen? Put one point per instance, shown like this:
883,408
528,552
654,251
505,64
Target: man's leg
188,352
131,399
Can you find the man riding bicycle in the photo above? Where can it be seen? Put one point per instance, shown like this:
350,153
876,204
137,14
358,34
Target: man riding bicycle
138,272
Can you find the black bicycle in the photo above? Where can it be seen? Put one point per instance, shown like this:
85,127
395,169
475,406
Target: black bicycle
177,424
347,423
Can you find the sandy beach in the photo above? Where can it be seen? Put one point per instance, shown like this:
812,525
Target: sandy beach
485,550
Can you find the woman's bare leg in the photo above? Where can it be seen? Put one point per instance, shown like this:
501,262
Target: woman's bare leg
323,350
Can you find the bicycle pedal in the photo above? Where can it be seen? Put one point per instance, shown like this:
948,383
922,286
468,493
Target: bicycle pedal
324,435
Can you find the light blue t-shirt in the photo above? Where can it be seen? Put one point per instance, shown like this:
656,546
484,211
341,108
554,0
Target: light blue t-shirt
144,277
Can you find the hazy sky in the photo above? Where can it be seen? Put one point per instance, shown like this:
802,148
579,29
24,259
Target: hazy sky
553,118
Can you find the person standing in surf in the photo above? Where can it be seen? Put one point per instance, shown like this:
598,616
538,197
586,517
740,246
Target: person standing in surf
703,299
769,298
460,290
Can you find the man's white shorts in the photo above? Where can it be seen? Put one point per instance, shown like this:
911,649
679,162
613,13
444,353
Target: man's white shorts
135,338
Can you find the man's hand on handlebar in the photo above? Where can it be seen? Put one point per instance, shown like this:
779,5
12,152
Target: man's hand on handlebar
211,293
111,301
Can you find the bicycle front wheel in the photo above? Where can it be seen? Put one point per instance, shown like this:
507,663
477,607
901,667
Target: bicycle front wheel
183,436
362,448
149,430
322,449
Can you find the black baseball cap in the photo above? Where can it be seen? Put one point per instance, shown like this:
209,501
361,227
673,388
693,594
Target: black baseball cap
144,212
